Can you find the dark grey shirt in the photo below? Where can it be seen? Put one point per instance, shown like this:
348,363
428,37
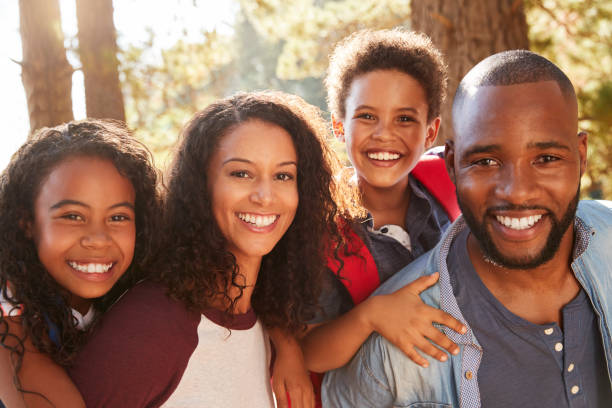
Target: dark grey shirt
391,247
526,364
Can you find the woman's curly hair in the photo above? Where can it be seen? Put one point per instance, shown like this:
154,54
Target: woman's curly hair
199,267
43,302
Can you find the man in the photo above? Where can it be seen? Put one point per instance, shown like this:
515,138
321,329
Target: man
527,268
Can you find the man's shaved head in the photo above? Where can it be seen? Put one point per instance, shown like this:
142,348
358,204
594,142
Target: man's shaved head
510,68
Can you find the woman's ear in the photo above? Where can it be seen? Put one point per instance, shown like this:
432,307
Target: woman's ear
338,129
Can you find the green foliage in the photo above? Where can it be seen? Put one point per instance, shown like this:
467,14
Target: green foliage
577,35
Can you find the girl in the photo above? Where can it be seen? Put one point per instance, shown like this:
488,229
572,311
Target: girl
78,205
250,197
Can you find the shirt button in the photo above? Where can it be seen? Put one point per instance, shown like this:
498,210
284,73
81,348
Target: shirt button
549,331
558,346
570,368
469,375
575,389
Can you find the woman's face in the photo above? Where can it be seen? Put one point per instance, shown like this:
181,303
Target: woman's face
253,185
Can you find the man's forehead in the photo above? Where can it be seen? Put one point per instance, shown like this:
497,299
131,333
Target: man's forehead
529,106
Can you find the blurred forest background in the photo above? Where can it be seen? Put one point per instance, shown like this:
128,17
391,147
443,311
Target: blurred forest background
282,44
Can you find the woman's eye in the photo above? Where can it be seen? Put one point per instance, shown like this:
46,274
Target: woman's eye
119,218
284,176
240,174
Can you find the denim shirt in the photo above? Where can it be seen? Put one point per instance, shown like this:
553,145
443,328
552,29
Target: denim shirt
380,375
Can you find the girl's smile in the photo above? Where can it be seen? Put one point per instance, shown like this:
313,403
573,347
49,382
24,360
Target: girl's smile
84,227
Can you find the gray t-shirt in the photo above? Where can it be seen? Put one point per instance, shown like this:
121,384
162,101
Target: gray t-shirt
391,246
526,364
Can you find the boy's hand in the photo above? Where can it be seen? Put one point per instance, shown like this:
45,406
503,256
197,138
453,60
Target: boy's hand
403,319
290,379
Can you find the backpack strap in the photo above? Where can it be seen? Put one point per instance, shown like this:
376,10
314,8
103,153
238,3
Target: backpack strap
431,172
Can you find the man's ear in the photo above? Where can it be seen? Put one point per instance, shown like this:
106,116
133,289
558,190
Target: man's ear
432,132
449,159
582,150
338,128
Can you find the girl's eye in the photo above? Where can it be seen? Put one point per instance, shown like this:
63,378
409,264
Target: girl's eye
284,177
119,218
240,174
72,217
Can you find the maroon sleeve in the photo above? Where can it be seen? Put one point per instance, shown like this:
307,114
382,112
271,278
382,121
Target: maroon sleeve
137,354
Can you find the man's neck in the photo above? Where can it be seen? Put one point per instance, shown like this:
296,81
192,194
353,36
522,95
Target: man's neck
537,294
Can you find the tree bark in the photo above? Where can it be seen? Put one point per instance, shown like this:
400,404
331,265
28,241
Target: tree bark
46,73
98,52
467,31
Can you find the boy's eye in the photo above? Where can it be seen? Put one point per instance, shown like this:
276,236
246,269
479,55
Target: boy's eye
284,177
405,118
240,174
366,116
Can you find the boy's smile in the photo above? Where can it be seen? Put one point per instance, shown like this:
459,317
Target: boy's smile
84,227
386,127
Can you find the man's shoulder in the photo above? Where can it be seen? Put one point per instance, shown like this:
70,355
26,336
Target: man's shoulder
415,269
596,214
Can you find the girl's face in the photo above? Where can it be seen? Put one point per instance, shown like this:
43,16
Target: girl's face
386,127
84,226
253,185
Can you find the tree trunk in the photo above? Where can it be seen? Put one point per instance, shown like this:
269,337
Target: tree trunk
467,31
46,73
98,52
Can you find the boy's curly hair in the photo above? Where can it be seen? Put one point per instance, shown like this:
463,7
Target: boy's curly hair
406,51
43,302
199,267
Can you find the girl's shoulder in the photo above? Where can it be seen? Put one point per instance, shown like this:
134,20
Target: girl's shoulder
8,307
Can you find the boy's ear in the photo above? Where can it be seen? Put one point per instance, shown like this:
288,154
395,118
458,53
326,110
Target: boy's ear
449,159
338,128
432,132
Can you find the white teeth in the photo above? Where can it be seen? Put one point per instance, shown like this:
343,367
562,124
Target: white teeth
519,223
383,156
91,267
258,220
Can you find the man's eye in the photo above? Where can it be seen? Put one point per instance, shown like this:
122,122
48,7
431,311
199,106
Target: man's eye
546,158
240,174
486,162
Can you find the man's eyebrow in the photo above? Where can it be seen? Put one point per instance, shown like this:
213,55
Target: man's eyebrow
67,202
548,145
482,149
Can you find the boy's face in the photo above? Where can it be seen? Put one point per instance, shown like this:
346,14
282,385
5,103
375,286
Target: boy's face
385,126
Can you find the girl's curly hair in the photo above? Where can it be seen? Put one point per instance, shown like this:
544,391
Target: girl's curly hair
199,267
43,302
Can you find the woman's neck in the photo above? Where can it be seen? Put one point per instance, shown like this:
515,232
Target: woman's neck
386,205
248,269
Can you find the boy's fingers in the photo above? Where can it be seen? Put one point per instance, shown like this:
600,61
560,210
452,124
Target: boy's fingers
449,321
414,356
422,283
428,348
442,341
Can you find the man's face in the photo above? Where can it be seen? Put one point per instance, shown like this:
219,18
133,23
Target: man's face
517,162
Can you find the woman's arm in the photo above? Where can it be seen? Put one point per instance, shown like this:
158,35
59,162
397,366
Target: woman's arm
400,317
8,392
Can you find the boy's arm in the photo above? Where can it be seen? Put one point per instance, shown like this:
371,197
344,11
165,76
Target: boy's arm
289,375
400,317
